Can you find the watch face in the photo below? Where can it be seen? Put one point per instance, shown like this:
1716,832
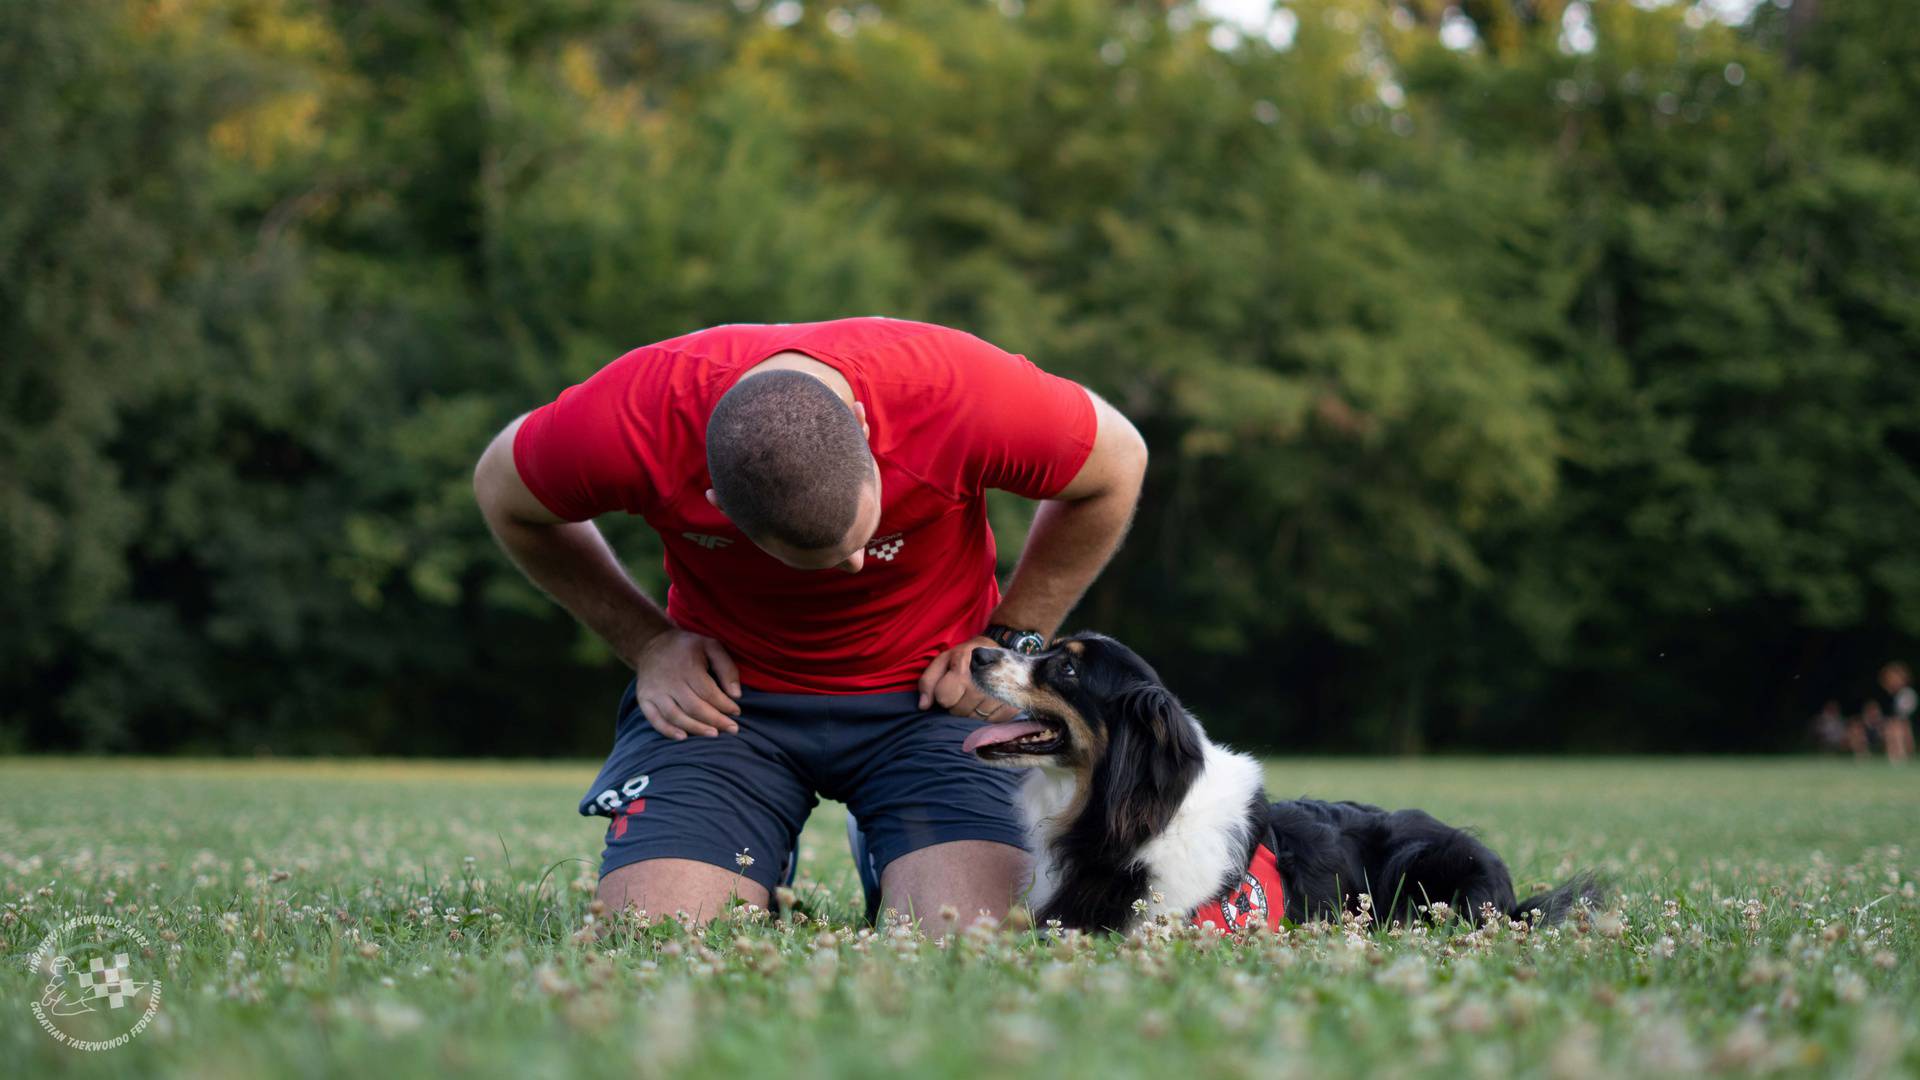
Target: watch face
1027,642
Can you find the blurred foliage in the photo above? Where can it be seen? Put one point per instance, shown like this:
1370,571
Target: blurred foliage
1518,374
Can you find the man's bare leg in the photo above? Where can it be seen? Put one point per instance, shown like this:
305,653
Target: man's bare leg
665,886
962,878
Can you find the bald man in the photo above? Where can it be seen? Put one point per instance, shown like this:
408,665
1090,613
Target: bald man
820,492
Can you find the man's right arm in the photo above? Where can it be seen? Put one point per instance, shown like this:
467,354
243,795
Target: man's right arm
679,675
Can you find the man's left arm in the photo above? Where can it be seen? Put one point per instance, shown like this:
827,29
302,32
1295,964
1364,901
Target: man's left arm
1073,535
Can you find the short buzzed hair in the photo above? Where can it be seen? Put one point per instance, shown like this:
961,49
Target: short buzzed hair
788,459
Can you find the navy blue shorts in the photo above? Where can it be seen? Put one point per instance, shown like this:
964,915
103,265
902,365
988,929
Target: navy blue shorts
899,769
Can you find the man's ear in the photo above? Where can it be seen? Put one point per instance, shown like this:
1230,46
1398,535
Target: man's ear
713,500
860,414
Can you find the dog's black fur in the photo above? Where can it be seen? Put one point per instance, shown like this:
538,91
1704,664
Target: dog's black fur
1138,756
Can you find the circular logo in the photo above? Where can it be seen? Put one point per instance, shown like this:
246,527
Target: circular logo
1249,898
93,997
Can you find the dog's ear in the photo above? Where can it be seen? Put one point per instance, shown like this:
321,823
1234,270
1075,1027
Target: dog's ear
1153,754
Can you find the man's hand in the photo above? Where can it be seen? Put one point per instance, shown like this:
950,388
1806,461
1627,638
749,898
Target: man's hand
679,679
949,682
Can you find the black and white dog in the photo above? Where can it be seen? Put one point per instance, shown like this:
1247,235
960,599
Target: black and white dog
1133,813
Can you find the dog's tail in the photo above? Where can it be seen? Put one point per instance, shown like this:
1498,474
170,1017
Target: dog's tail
1555,904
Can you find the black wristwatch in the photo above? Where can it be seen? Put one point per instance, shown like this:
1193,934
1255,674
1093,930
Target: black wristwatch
1026,642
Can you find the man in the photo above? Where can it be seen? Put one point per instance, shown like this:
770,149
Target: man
1897,709
819,489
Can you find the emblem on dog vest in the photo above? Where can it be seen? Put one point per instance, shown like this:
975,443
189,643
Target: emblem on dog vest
1258,900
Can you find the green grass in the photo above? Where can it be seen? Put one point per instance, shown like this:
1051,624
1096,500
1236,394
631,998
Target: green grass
1766,922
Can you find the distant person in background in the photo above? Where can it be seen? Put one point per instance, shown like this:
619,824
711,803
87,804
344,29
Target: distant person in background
1830,728
1896,729
1864,732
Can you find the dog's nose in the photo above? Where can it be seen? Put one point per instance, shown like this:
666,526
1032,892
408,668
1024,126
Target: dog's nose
985,658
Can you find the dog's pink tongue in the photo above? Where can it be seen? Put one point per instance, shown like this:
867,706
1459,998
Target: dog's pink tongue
994,734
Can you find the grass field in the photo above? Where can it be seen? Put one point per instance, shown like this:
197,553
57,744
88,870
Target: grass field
390,919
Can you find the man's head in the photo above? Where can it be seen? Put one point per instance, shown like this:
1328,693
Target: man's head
791,467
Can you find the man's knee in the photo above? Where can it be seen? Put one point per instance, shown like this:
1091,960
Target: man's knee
669,886
947,886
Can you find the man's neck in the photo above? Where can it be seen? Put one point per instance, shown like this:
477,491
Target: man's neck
806,365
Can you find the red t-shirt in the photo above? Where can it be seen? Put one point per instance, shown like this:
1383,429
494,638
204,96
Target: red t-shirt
951,416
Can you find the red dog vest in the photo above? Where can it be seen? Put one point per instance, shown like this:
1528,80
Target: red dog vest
1259,898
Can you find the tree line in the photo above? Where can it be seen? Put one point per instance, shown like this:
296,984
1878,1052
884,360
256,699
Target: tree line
1523,374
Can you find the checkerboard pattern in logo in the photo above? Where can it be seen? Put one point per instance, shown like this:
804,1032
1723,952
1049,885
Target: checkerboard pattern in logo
102,981
886,547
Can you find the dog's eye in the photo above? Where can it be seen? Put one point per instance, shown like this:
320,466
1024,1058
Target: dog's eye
1066,669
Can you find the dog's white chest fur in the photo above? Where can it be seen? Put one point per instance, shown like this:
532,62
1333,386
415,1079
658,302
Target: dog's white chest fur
1043,802
1205,840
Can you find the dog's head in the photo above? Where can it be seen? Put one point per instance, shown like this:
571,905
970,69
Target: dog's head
1090,704
1079,700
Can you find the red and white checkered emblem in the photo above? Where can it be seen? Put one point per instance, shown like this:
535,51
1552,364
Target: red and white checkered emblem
101,981
885,548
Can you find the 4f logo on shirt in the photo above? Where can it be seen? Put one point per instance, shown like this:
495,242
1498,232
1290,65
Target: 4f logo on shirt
886,547
707,541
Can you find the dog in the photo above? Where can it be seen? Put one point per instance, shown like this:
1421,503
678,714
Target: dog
1133,813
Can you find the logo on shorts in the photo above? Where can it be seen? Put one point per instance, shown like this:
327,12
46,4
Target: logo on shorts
94,998
632,810
886,547
613,799
623,804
